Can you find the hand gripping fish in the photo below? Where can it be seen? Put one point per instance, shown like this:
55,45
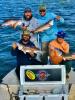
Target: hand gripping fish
28,49
44,27
11,23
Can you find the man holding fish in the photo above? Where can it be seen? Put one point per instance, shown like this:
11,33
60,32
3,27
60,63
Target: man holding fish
27,57
30,23
59,52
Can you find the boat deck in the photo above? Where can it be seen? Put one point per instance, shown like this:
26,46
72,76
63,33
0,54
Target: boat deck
4,92
13,82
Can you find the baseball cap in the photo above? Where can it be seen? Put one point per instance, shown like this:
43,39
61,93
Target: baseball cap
26,33
42,7
27,9
61,34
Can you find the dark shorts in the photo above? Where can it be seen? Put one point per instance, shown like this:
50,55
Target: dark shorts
68,65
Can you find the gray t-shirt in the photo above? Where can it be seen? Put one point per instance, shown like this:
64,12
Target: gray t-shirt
31,25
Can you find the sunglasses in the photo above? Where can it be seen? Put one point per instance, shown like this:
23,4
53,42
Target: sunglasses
42,10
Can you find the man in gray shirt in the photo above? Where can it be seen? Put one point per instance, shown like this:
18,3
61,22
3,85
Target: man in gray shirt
30,23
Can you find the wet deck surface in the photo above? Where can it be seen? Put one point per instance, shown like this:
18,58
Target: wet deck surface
71,77
72,92
6,91
4,94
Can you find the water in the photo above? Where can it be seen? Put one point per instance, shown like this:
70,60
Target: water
13,9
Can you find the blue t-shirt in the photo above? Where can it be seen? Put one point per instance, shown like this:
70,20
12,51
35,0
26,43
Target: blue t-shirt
49,34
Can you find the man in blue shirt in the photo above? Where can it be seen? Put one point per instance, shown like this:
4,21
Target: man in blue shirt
49,34
21,57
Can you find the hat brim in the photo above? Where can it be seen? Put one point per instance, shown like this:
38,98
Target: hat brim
61,36
26,34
